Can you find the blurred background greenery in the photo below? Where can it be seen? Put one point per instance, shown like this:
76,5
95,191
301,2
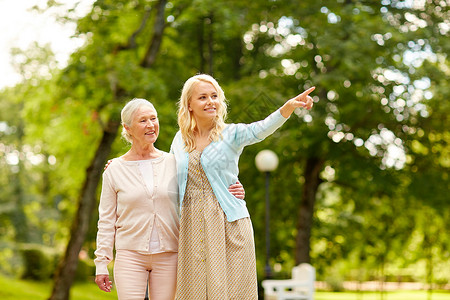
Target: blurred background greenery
362,187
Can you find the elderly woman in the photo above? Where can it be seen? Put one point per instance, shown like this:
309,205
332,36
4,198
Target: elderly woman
217,254
138,212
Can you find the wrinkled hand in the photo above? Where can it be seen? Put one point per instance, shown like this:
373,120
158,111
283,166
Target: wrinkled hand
237,190
303,100
103,282
107,164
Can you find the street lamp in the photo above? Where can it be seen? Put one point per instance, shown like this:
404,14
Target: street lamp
267,161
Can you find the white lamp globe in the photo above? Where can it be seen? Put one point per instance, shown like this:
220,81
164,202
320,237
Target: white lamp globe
266,161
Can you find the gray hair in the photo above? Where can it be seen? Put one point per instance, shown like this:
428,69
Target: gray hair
128,112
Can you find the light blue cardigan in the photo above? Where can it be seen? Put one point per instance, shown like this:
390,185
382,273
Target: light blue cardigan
220,160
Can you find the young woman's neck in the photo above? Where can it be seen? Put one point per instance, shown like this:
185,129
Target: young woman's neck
204,128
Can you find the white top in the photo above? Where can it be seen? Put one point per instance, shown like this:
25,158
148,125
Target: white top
147,176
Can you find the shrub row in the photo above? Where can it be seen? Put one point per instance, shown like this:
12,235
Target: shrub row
40,265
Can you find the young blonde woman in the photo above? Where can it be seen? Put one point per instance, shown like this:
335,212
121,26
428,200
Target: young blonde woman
216,258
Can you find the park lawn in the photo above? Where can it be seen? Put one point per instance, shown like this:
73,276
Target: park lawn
15,289
395,295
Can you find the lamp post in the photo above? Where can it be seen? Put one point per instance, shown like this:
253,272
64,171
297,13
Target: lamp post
267,161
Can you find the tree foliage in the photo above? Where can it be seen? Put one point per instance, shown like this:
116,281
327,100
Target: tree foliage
356,172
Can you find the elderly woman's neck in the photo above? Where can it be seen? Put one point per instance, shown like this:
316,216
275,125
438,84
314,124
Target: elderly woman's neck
142,152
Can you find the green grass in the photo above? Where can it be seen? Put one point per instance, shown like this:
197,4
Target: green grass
15,289
397,295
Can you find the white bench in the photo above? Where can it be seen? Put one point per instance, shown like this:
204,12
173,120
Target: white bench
300,287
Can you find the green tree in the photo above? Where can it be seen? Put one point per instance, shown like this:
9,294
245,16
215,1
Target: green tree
356,53
119,56
347,168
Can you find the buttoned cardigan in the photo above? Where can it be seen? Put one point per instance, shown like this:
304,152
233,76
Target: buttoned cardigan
128,212
220,160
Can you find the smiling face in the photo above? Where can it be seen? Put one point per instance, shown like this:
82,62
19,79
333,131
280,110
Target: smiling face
204,101
144,128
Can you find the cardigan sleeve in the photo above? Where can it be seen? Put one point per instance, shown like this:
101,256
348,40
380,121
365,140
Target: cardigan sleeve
247,134
106,226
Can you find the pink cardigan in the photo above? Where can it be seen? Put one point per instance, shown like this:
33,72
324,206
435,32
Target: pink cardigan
127,212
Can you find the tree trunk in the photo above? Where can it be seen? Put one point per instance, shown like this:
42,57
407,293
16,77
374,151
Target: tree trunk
312,181
201,42
211,46
160,24
65,273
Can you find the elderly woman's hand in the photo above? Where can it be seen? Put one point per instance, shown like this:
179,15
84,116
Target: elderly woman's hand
103,282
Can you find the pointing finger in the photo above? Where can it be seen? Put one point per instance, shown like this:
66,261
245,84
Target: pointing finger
308,91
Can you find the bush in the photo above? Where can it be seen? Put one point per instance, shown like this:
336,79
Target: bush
37,264
335,283
85,270
10,260
40,263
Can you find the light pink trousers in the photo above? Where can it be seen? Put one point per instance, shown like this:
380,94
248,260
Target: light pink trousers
132,270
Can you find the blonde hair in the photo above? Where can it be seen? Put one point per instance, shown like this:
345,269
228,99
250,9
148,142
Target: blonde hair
127,114
186,120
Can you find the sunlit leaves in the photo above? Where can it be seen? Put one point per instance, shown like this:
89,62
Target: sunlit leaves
380,119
